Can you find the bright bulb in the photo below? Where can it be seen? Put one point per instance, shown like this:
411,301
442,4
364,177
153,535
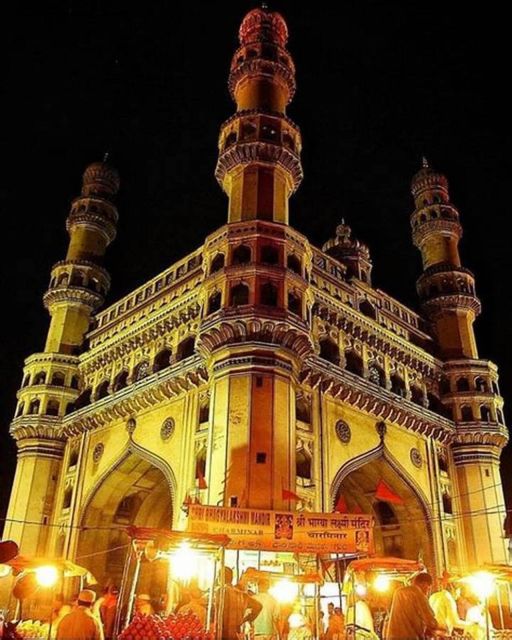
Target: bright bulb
284,591
183,563
482,583
47,576
360,589
381,583
296,620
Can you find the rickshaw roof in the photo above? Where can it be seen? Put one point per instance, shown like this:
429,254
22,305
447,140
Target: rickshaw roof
66,567
148,533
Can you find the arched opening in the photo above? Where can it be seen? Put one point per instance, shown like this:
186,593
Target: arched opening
303,467
74,382
462,384
398,385
21,408
214,302
447,503
294,304
302,410
239,295
241,255
466,414
120,381
329,351
268,294
354,363
200,468
485,413
269,255
141,371
73,458
217,263
134,492
402,529
33,407
162,360
84,399
68,495
481,385
40,378
26,381
57,379
52,408
376,375
186,348
417,394
294,264
204,412
102,390
367,309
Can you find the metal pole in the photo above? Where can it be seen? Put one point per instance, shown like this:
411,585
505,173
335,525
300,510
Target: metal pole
500,605
210,595
487,630
122,590
133,589
220,607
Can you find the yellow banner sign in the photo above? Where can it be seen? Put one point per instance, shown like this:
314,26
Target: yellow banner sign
298,531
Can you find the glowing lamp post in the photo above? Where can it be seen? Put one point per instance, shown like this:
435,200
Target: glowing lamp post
483,585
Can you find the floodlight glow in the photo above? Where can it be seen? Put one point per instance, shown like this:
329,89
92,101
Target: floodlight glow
381,583
47,576
183,563
296,620
284,591
482,583
360,589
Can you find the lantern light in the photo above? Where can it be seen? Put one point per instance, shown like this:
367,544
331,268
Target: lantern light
381,583
46,576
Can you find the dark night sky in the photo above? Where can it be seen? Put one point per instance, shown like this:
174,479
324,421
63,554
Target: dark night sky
379,85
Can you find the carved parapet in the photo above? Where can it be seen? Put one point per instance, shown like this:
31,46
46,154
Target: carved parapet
440,226
240,154
451,302
40,446
280,69
37,426
95,220
80,273
471,449
442,279
72,295
221,331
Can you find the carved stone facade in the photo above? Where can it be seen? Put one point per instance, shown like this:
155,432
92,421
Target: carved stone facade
260,362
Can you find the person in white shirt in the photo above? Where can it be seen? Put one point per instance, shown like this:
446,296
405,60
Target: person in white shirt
445,609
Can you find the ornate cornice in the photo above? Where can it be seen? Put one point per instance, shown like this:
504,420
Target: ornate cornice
451,302
70,294
262,67
434,226
51,358
383,405
259,152
93,220
36,426
481,433
156,388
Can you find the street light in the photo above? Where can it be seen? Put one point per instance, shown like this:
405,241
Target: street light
483,585
46,576
284,591
381,583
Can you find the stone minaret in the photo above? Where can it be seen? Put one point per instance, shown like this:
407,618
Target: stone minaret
50,384
469,388
259,146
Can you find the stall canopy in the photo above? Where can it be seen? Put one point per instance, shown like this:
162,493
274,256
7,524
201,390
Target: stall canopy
176,537
67,568
388,563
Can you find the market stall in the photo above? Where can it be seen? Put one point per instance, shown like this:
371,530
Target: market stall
368,585
194,562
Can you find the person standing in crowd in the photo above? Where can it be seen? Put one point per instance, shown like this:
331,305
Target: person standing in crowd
411,617
239,608
195,605
81,624
108,611
444,606
266,622
336,625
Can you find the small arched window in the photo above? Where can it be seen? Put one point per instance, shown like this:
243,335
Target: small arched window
303,464
398,385
466,413
417,394
354,363
241,254
214,302
462,384
77,279
294,264
120,381
239,295
269,255
204,412
217,263
52,408
447,503
376,375
20,409
495,388
367,309
268,294
40,378
33,407
74,382
186,348
26,380
329,351
63,279
141,371
499,414
84,399
230,138
162,360
102,390
485,413
57,379
302,410
481,385
200,468
68,495
295,304
73,458
443,463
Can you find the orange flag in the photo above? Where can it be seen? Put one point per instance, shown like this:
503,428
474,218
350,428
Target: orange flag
384,493
289,495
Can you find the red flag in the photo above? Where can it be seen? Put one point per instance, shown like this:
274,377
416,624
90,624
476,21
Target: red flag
341,505
289,495
384,493
202,482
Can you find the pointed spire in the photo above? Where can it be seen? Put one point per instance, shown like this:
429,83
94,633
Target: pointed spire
425,163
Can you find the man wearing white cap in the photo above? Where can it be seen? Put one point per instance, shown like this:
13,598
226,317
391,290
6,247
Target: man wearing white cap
81,624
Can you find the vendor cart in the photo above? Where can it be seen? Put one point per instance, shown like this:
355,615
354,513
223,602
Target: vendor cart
368,585
189,556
